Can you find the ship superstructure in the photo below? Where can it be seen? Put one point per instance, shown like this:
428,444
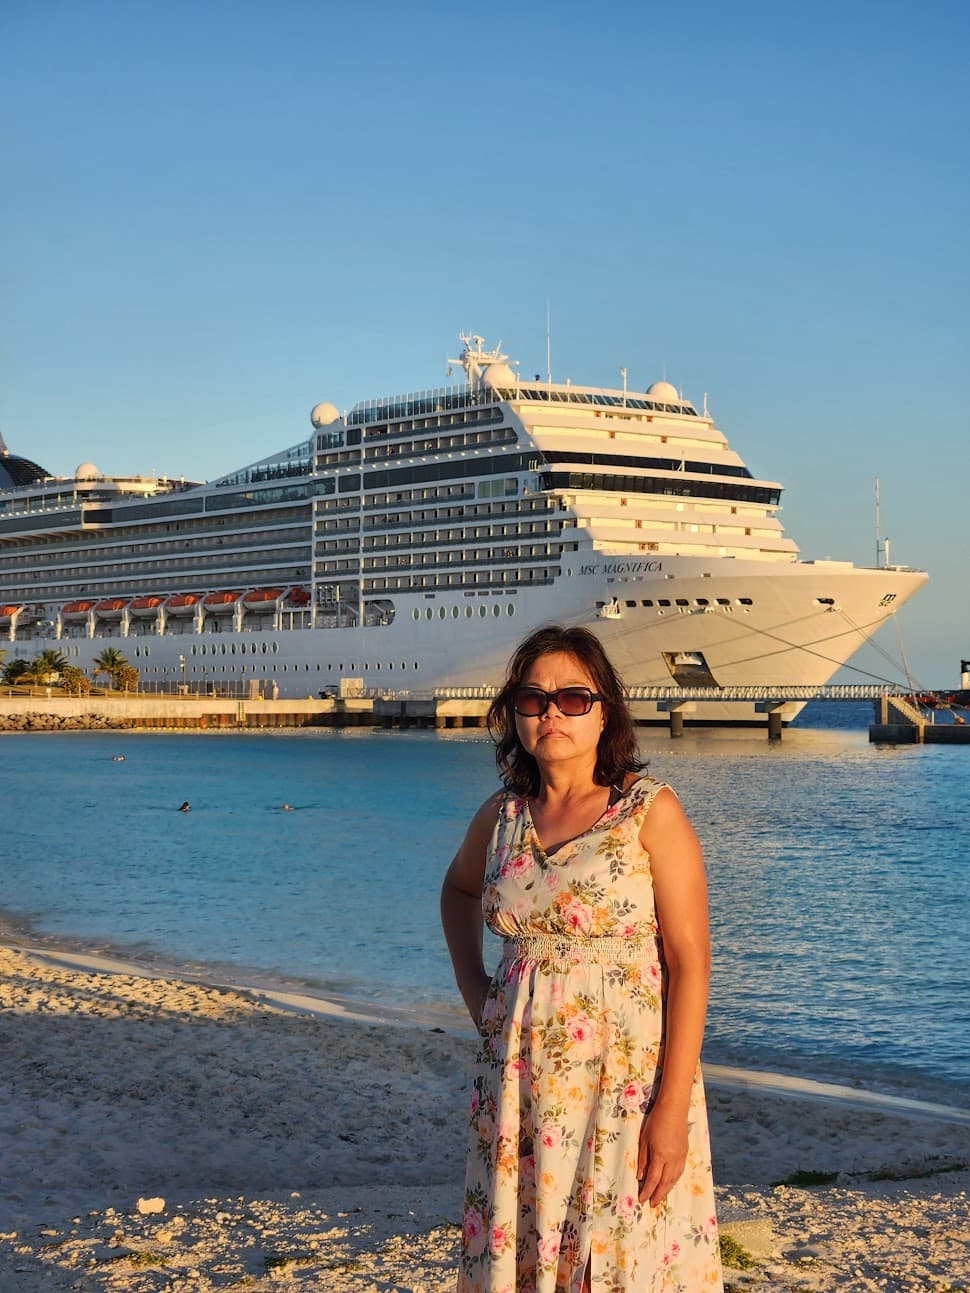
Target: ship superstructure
411,542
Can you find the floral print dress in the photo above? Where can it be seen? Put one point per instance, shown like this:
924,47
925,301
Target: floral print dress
571,1057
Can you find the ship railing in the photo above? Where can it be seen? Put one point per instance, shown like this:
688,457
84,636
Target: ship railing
439,399
753,692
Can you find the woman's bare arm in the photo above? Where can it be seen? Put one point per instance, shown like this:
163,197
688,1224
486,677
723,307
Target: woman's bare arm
461,908
680,890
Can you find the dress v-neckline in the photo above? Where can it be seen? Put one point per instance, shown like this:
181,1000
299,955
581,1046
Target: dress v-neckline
551,854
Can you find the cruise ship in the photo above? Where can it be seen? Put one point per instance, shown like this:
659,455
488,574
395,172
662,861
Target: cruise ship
407,545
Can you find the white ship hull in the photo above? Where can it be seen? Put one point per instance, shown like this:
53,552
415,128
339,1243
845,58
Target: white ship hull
440,642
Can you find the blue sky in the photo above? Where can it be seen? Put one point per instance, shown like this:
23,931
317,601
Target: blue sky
215,215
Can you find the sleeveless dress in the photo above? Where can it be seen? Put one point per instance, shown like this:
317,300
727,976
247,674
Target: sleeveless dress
571,1057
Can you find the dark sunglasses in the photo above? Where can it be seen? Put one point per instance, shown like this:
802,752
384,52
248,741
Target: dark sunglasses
532,702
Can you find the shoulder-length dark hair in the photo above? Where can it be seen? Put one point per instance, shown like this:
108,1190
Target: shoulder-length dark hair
616,754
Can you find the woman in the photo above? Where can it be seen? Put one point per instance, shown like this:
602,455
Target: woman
588,1161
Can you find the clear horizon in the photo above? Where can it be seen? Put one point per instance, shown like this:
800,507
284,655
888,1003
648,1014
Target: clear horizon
215,217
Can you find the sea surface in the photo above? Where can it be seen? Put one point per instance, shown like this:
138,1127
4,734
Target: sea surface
839,874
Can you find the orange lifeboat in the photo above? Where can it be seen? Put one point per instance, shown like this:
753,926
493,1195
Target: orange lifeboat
298,597
111,608
145,605
262,598
76,610
183,603
8,612
221,602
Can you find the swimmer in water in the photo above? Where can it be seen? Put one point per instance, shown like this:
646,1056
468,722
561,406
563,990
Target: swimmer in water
286,809
184,808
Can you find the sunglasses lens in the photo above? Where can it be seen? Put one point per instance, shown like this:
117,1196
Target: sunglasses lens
574,701
530,704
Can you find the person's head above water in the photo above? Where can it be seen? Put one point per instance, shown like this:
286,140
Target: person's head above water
184,806
617,747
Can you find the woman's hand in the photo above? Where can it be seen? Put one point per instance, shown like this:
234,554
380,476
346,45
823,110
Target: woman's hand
663,1154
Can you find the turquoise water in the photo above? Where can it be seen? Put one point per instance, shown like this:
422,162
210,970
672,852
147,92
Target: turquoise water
838,873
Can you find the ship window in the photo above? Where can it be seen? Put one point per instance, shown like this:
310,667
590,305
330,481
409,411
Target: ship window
441,612
510,608
745,601
701,601
724,601
664,601
276,647
469,612
631,603
416,613
646,602
415,664
428,612
825,601
483,611
682,601
262,647
193,648
455,612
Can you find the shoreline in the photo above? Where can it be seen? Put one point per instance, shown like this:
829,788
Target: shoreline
732,1077
876,1082
168,1133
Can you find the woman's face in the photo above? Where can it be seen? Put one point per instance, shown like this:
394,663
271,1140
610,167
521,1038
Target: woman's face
555,737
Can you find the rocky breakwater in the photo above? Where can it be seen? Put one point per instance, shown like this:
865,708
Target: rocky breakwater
46,722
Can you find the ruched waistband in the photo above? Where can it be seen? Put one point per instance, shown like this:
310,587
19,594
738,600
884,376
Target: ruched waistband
597,951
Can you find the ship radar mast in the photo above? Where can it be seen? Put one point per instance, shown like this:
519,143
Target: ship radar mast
476,362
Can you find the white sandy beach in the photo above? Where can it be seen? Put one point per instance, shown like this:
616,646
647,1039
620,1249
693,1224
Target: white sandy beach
297,1148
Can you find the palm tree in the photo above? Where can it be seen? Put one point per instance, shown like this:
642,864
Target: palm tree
14,670
110,662
48,665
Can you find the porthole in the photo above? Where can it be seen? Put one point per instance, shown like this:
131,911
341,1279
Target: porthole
416,613
482,611
262,647
646,602
415,664
510,609
441,612
252,647
428,612
496,609
232,647
682,601
202,649
276,647
194,648
455,612
222,647
469,612
745,601
403,665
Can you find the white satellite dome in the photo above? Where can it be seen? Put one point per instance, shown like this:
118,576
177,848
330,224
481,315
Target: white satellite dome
499,375
664,393
323,414
86,471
